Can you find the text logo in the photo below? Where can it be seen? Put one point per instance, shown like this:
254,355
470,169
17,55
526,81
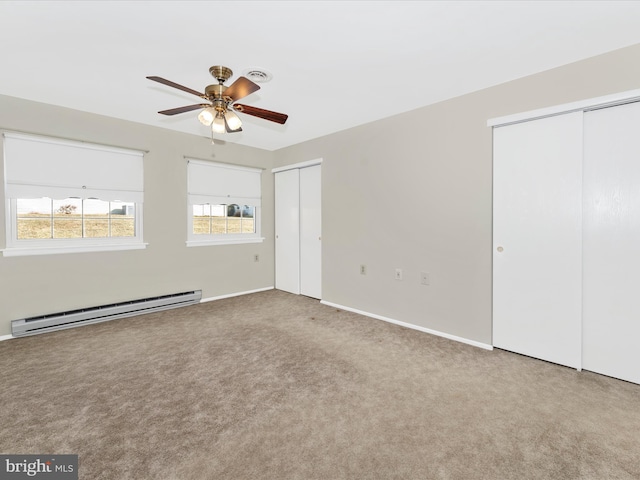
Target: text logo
49,467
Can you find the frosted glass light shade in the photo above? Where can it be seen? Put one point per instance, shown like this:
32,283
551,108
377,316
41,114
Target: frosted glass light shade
217,126
206,116
233,120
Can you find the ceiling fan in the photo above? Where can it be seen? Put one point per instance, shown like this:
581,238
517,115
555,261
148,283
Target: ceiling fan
218,113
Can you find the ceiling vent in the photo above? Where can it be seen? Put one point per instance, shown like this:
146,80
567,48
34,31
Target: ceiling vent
258,75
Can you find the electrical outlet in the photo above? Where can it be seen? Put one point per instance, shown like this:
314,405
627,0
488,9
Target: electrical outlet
398,274
256,258
424,278
363,269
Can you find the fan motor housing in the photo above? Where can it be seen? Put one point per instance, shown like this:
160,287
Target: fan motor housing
214,91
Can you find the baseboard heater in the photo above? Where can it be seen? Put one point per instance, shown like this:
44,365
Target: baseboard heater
85,316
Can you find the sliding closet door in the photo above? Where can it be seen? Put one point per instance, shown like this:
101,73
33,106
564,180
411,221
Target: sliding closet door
299,231
287,192
537,263
611,308
310,232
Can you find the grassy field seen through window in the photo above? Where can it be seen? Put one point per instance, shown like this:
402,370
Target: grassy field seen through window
205,225
41,226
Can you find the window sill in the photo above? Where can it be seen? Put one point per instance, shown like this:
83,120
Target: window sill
22,251
226,241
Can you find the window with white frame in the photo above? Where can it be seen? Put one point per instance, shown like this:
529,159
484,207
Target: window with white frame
224,203
63,196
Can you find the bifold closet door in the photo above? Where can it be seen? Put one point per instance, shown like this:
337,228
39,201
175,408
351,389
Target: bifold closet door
287,213
611,303
537,264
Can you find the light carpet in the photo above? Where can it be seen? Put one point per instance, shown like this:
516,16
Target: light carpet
277,386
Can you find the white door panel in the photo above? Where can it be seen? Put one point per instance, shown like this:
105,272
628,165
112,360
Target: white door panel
287,219
537,263
611,298
310,232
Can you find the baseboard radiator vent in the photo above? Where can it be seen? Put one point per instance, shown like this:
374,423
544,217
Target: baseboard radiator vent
85,316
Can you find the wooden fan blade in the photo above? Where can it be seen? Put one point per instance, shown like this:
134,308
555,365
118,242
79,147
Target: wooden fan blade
260,113
239,89
188,108
176,85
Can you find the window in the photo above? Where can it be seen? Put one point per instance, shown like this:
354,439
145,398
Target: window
224,203
64,196
223,219
73,218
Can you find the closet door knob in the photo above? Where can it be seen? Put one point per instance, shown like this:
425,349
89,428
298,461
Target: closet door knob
500,249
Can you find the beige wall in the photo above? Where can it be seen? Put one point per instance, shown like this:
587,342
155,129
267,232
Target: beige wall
414,192
34,285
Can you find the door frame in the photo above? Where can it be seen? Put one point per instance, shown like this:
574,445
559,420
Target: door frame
308,163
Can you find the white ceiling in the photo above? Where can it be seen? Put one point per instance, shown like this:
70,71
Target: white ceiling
335,65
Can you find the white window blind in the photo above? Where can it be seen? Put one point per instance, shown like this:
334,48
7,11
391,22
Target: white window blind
216,183
46,167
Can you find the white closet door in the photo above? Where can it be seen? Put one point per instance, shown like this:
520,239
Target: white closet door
287,213
310,232
611,304
537,264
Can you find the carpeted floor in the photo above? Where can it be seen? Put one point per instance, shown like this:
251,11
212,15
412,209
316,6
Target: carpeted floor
276,386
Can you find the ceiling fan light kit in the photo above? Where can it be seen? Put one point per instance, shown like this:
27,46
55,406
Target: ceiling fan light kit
218,124
206,116
218,113
233,120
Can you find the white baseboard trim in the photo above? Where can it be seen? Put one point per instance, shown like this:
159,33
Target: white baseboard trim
237,294
6,337
412,326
